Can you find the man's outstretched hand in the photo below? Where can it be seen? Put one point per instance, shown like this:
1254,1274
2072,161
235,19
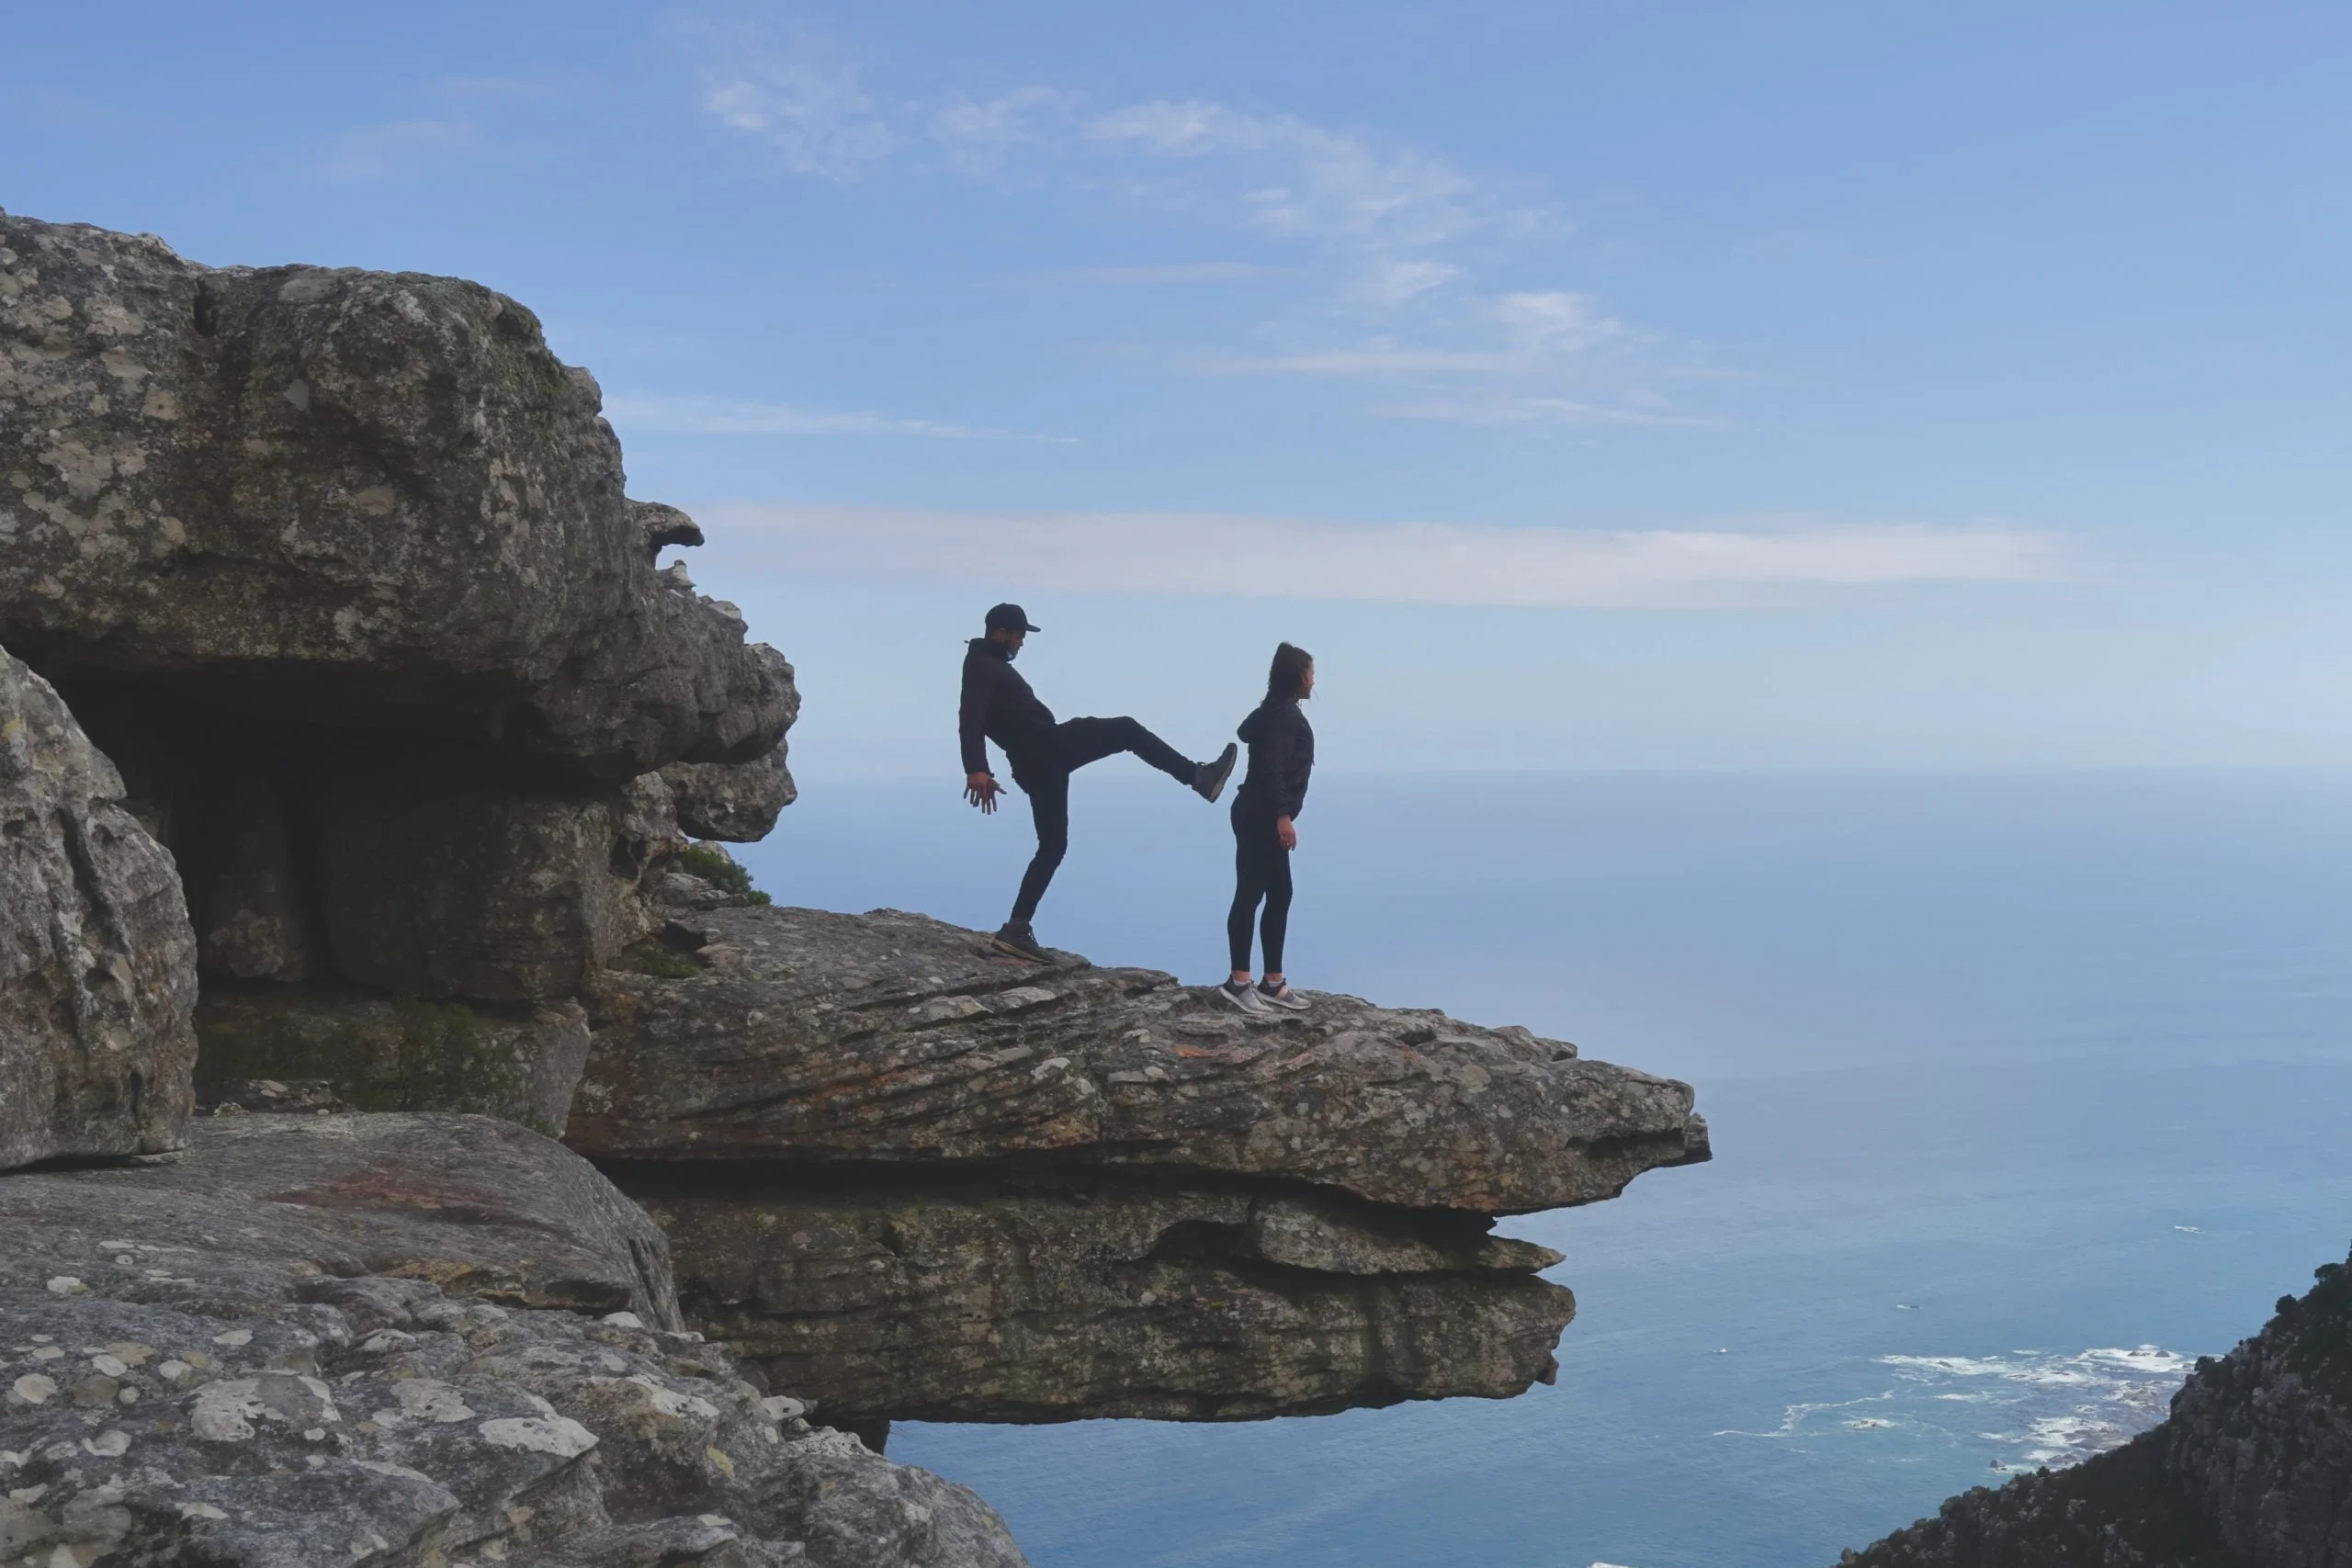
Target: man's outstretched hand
982,790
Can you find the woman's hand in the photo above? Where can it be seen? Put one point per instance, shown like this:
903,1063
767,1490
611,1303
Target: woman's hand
1285,832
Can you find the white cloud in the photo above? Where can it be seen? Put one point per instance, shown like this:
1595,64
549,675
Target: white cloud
1388,360
1509,409
1172,272
792,91
1380,209
1393,237
725,416
978,134
1420,563
377,151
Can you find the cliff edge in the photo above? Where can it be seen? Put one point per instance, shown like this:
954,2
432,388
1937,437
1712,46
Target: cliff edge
358,765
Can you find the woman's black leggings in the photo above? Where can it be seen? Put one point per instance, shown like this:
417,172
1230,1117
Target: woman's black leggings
1261,870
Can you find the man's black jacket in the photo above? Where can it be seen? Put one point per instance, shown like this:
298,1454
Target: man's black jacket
1281,754
998,705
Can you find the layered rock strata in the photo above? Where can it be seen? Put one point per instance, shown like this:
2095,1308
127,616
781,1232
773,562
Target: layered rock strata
345,1339
1125,1299
2253,1469
896,1038
923,1179
97,963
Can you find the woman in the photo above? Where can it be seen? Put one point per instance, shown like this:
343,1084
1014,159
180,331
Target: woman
1281,753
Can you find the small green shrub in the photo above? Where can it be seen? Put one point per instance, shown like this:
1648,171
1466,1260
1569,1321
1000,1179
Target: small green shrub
435,1056
714,867
653,958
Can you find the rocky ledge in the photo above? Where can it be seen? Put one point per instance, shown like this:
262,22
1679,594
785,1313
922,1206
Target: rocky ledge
921,1179
895,1038
2253,1469
402,1341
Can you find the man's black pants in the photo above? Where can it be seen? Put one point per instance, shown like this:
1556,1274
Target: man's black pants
1260,870
1045,780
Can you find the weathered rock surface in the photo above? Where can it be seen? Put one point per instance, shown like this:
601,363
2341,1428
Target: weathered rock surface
738,802
376,1053
1125,1300
191,1374
480,1206
97,961
319,493
894,1038
2253,1469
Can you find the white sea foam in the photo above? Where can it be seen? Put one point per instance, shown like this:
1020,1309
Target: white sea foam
2031,1409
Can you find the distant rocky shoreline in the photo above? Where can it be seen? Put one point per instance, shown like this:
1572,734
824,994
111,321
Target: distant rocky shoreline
2253,1469
358,765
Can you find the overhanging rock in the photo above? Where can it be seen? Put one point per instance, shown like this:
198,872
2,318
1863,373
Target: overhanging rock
317,492
893,1037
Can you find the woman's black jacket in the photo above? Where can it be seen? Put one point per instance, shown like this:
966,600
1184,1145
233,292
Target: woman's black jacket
1281,754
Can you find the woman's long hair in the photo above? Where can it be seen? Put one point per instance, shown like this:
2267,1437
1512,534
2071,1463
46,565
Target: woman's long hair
1287,679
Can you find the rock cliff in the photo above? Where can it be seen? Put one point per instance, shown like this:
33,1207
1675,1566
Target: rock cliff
2253,1469
353,745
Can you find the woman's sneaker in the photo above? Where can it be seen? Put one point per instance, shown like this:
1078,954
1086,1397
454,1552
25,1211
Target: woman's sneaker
1244,996
1209,778
1282,996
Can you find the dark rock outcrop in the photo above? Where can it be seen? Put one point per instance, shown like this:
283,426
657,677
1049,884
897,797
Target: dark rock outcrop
279,1353
895,1038
98,962
2253,1469
1127,1299
316,492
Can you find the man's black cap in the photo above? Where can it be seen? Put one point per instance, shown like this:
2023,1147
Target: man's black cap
1011,618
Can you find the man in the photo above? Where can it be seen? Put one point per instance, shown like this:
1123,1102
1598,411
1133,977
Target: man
999,705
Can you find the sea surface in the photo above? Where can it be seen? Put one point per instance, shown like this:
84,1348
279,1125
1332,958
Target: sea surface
2026,1092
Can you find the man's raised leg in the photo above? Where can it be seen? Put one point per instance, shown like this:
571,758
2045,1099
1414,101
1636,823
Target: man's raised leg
1084,740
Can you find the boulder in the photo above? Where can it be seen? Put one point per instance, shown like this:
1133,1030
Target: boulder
940,1303
738,802
97,960
894,1040
344,497
215,1382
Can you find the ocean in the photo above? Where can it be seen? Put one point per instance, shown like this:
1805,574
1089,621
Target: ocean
2026,1092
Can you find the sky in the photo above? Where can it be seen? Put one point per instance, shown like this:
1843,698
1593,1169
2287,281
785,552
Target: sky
1709,385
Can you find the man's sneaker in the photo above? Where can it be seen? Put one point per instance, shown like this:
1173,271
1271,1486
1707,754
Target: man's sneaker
1209,777
1243,996
1281,996
1017,939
